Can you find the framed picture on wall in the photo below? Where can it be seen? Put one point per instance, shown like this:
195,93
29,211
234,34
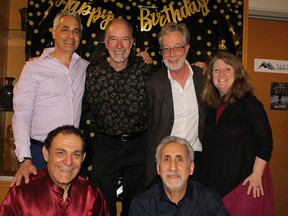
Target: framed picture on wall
279,96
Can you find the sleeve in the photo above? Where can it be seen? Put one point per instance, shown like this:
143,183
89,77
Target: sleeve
258,120
146,69
213,204
10,205
23,104
100,205
148,105
137,209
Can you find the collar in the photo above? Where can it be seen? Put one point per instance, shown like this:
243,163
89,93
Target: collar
47,51
57,190
164,198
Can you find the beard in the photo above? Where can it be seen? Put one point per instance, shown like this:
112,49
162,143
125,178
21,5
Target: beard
119,55
174,64
171,184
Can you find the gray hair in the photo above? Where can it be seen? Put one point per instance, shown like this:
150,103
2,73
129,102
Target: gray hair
123,21
178,140
173,27
56,21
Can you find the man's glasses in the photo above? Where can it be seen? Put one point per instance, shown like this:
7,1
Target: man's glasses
177,49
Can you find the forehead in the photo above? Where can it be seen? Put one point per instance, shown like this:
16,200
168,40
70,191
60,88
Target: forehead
173,149
173,37
118,29
69,21
67,141
220,62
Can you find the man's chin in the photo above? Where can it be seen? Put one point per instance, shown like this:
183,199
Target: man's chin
119,60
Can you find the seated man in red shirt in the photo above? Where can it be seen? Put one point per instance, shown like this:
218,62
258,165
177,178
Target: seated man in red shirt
57,189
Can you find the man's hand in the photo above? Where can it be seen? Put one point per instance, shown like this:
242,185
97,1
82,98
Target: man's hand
146,57
25,169
202,65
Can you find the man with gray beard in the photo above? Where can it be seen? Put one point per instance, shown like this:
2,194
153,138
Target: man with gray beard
176,195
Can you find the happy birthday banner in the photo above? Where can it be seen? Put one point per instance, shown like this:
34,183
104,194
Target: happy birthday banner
214,25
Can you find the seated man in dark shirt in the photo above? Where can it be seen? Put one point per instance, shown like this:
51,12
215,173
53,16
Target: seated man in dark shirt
57,189
176,195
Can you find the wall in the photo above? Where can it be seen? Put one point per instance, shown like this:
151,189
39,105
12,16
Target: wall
276,9
12,46
267,39
15,53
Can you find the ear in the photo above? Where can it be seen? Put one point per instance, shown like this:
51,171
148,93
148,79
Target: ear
53,34
187,48
84,155
132,41
45,153
192,166
157,168
106,42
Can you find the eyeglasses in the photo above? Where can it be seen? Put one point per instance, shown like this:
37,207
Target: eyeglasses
177,49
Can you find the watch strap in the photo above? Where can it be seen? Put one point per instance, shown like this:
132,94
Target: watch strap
24,159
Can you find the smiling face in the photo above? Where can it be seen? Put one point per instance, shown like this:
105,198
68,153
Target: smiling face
174,166
118,41
68,34
223,76
174,59
64,158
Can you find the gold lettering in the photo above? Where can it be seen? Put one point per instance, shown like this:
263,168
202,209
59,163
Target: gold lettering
58,3
145,22
84,9
175,14
71,5
147,19
104,22
185,10
168,14
205,9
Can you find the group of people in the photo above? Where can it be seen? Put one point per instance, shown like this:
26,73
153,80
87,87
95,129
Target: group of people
135,107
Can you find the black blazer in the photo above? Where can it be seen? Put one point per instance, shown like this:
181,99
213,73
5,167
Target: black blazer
160,113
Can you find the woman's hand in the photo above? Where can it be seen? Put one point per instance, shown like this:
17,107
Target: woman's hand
255,185
255,179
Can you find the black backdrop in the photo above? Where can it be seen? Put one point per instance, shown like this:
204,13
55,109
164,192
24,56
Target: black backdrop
214,24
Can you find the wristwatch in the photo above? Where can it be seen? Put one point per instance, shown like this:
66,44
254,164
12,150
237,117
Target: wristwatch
21,160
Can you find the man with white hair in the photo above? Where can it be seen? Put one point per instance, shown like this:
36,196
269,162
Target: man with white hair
176,195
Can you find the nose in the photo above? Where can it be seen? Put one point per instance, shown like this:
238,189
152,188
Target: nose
171,51
71,34
173,165
119,44
221,72
68,160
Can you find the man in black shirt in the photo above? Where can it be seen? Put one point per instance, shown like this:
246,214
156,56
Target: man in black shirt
114,92
176,195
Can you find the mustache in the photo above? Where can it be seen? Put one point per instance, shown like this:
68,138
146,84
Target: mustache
66,169
119,50
172,173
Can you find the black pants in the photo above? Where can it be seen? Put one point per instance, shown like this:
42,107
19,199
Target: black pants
113,158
